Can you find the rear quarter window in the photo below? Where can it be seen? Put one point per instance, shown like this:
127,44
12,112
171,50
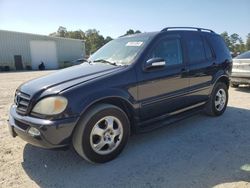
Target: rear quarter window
219,46
209,53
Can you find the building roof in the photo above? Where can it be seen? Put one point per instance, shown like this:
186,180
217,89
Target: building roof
52,37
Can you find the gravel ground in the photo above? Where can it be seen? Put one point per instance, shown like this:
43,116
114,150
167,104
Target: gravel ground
197,152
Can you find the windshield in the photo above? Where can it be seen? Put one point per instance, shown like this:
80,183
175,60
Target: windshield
121,51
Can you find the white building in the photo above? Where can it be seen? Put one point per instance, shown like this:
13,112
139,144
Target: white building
20,51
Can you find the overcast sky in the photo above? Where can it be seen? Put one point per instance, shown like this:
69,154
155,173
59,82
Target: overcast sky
114,17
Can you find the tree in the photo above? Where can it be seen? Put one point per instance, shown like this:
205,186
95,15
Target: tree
107,39
242,46
131,32
234,38
137,31
248,42
234,42
227,39
76,34
62,31
93,41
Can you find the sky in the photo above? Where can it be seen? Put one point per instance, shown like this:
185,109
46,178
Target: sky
114,17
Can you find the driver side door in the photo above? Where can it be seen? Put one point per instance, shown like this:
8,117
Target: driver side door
163,90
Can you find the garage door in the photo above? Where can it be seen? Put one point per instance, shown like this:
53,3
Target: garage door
43,51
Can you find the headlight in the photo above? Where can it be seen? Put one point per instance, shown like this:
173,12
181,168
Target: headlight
51,105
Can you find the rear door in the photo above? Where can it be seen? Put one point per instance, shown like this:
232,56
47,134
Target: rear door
163,90
201,66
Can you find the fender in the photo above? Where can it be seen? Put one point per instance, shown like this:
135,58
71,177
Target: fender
220,74
114,93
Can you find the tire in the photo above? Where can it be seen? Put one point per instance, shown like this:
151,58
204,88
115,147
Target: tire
234,85
102,124
220,89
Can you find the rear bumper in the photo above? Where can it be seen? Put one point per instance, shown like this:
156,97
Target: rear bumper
54,133
240,80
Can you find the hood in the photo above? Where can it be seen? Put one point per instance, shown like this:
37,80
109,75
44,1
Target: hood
65,78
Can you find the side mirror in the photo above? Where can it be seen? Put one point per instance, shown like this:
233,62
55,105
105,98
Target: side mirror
155,63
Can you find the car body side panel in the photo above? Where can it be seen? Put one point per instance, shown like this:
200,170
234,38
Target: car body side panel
161,91
204,74
162,94
122,85
200,74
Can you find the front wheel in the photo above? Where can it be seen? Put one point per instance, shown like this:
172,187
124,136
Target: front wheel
102,133
218,100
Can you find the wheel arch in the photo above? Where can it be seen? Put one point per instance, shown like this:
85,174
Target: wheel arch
224,79
220,78
118,101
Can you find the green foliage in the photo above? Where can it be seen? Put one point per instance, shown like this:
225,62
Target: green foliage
62,31
93,40
226,39
76,34
234,42
107,39
131,32
248,42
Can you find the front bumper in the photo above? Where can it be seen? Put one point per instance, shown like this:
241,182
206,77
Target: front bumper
54,133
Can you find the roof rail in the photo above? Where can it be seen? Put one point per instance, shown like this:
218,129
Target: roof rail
194,28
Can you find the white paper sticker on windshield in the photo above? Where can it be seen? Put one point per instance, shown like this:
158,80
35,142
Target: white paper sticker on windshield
134,43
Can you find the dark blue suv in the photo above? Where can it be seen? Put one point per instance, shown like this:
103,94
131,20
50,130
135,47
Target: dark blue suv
132,84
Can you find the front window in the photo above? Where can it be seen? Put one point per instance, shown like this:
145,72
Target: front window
169,49
121,51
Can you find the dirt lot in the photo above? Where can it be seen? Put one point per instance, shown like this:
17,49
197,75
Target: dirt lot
198,152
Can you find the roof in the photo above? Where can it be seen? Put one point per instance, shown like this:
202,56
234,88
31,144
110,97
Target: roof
175,30
141,34
32,34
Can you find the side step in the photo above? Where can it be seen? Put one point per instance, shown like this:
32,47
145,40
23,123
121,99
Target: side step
167,119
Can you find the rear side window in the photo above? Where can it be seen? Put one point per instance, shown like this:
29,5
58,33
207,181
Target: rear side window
208,50
196,50
169,49
219,46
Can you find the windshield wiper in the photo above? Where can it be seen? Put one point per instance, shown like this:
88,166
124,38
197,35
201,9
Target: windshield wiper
105,61
85,60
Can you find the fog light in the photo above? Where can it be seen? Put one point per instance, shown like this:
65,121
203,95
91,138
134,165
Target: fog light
34,131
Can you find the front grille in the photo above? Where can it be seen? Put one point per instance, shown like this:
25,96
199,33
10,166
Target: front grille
22,101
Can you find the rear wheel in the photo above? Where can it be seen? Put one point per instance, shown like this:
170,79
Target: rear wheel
102,133
218,100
